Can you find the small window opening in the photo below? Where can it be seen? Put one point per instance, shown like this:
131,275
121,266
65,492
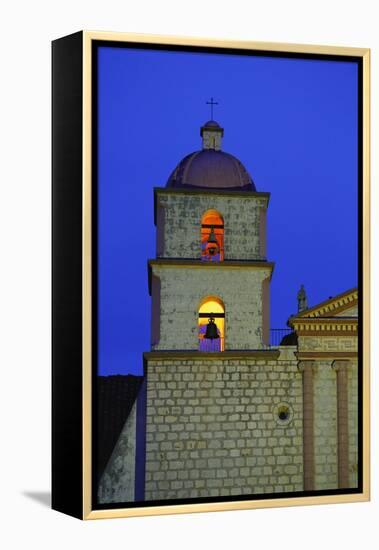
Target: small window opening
212,237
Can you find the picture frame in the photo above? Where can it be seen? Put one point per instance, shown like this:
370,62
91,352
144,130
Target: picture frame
324,373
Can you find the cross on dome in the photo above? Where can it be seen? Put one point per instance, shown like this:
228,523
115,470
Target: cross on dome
212,103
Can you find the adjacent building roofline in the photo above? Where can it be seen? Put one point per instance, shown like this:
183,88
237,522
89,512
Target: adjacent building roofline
329,307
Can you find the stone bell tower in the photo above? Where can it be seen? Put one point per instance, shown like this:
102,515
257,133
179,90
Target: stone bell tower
210,198
209,286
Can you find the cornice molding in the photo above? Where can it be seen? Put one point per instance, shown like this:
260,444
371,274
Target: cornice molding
319,326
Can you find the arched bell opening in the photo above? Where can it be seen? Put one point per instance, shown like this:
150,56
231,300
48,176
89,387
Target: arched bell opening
211,324
212,236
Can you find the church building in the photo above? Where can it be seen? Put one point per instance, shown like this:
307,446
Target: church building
220,410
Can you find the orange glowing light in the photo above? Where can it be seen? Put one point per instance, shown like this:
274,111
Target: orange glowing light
212,222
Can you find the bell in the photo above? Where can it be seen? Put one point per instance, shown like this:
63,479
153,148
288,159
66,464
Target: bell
211,332
212,244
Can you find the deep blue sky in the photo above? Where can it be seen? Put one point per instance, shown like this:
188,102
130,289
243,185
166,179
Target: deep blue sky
292,123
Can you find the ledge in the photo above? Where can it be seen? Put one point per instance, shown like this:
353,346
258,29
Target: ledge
212,355
191,262
204,191
301,355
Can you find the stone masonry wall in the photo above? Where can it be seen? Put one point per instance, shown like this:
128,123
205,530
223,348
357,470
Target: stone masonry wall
183,288
117,481
213,427
180,223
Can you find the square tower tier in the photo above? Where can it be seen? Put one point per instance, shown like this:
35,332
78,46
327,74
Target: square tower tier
179,288
179,216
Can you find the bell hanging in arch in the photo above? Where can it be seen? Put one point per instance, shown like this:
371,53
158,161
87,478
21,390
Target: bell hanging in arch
212,244
211,333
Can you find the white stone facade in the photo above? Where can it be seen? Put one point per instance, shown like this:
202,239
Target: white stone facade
213,427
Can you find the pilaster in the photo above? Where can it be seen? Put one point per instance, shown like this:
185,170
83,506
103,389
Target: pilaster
307,368
341,369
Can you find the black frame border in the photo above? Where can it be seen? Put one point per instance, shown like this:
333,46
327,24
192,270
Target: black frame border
67,254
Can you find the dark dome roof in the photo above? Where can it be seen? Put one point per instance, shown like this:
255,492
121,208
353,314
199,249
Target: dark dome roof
213,170
211,124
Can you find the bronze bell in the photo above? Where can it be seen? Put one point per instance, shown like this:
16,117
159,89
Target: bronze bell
212,244
211,332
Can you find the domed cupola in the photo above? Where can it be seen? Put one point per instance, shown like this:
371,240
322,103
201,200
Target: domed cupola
211,168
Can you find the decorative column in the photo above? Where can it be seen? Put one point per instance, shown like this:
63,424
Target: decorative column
341,369
307,368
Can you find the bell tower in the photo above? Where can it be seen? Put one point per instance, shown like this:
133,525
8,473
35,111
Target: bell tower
213,383
211,247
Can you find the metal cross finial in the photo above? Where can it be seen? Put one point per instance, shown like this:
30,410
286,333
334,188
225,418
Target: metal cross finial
211,103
